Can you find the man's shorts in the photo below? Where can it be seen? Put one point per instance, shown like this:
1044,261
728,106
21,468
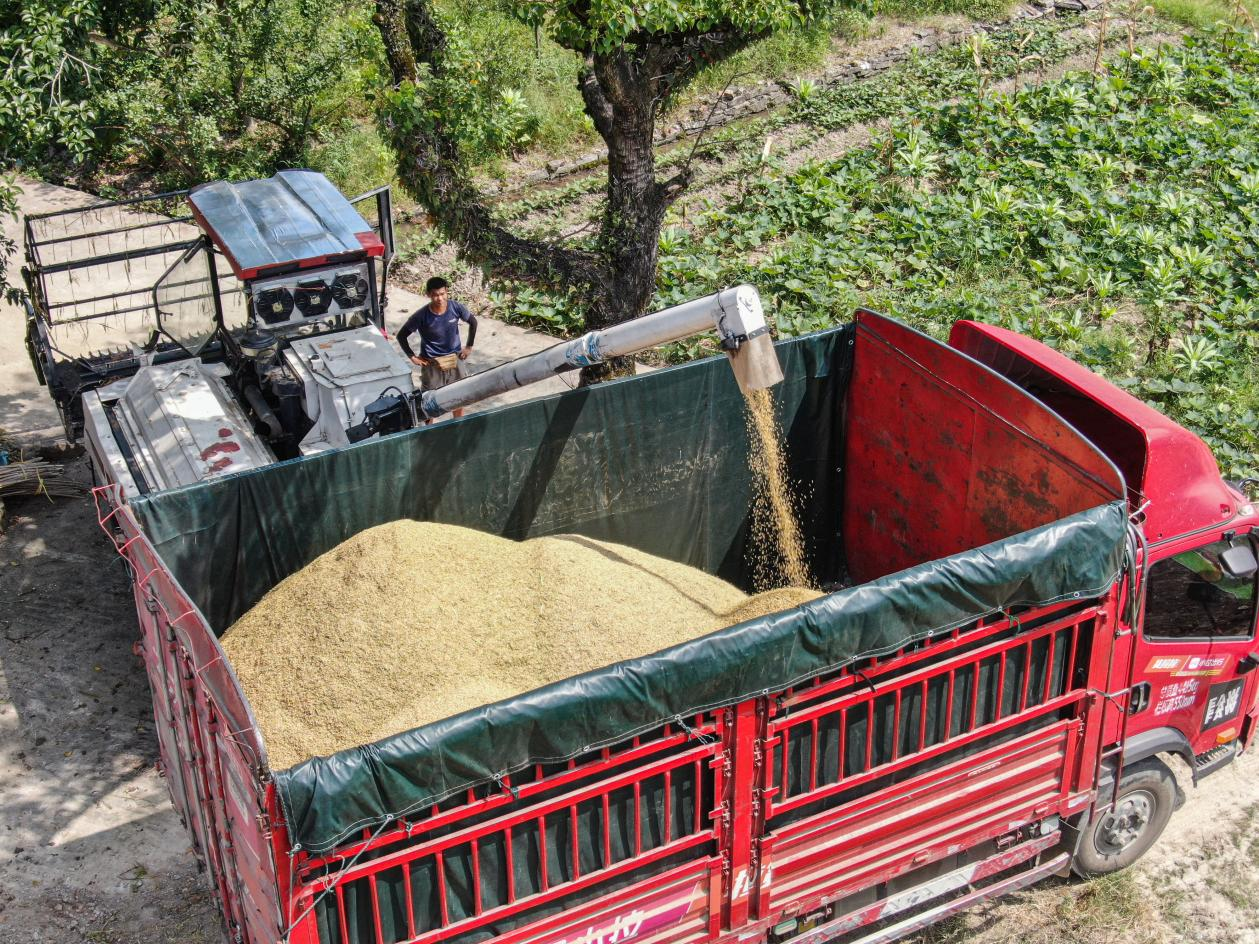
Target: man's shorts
432,376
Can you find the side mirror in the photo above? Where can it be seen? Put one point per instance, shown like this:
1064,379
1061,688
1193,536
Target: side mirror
1239,561
1248,663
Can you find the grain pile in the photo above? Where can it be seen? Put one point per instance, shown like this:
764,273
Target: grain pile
777,549
411,622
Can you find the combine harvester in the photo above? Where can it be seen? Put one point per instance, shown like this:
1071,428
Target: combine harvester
1047,592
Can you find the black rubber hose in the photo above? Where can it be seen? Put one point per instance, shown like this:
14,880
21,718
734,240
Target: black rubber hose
263,410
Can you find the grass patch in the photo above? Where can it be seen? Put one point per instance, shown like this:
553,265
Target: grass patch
354,157
1202,14
784,55
1109,905
916,9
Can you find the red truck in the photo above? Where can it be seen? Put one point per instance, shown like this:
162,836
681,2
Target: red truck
1041,592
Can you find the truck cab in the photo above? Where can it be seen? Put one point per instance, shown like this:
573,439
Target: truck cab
1191,628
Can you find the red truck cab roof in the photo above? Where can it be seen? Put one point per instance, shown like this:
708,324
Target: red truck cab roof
1161,461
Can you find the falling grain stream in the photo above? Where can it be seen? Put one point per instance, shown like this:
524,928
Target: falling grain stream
778,549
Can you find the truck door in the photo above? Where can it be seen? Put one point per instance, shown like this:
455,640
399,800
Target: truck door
1191,671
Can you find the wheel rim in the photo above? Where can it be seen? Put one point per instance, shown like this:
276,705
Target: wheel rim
1126,823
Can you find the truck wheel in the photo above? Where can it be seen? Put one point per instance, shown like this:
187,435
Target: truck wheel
1117,838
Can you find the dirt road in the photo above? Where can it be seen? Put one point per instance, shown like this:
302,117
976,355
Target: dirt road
90,848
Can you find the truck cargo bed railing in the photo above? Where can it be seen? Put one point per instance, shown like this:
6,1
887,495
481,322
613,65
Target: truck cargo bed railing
898,745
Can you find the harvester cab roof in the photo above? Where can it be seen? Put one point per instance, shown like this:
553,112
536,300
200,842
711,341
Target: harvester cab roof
294,220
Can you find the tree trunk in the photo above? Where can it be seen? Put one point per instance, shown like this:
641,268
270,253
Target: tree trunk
620,92
624,89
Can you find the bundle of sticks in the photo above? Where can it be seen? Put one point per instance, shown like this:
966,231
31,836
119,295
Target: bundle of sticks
37,477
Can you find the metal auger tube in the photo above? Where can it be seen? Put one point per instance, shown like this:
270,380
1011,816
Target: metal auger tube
735,313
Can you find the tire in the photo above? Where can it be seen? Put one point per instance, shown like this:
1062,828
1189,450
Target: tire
1115,839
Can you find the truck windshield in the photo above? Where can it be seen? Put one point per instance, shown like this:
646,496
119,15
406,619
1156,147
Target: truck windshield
1190,596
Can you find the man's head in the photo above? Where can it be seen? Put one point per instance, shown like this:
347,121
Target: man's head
438,291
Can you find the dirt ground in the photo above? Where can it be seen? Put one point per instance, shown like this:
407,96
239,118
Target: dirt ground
91,851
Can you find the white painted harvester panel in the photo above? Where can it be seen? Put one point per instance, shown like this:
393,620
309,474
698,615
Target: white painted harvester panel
181,425
341,374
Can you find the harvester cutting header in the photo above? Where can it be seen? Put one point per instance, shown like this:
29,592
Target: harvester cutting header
252,330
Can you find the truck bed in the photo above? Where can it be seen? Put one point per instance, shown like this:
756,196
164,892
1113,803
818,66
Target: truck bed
925,728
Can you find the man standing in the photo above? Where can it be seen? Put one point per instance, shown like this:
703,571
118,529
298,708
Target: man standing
441,353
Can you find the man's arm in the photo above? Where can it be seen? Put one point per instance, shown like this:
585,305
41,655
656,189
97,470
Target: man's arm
409,327
462,311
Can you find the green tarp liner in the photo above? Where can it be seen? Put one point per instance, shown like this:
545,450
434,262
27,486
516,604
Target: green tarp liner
657,462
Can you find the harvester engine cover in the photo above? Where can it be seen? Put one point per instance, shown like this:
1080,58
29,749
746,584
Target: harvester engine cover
172,425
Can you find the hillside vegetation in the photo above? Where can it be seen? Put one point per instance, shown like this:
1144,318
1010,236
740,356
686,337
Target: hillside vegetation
1114,216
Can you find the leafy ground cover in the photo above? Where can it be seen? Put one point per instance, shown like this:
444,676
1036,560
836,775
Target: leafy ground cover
1113,216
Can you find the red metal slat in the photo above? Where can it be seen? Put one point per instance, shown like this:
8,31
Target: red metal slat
668,805
922,718
745,735
786,748
931,669
509,859
543,873
579,917
816,754
958,643
208,812
454,814
588,880
869,734
948,707
872,839
441,888
896,724
1068,672
514,817
407,894
638,817
1000,685
607,833
974,695
1027,675
476,876
909,760
345,930
834,876
377,928
1049,667
698,774
218,786
574,844
843,744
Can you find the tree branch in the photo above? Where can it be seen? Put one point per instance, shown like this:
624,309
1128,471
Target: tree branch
431,167
597,105
391,24
680,62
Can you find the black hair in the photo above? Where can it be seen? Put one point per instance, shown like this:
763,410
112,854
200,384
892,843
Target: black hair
434,284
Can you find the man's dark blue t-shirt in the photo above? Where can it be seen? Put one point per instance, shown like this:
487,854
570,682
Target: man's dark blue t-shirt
439,334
